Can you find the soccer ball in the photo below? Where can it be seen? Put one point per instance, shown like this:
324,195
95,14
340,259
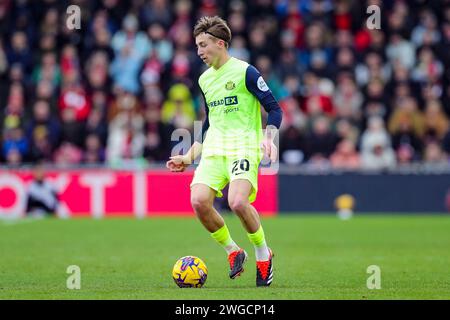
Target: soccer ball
190,272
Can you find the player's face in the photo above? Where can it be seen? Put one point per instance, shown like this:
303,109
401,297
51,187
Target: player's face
208,48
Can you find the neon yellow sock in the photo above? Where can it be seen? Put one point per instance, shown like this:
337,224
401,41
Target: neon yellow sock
259,242
223,237
258,239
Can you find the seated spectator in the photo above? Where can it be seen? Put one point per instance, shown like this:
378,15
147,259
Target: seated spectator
47,92
100,39
405,141
96,124
405,154
41,145
258,43
375,92
378,41
342,17
427,27
321,140
319,105
14,145
320,65
343,39
68,154
15,104
100,101
436,121
180,69
69,59
264,65
428,68
318,162
406,111
48,70
345,130
238,49
292,146
372,68
126,139
362,39
152,71
431,91
345,60
376,150
348,99
97,70
399,19
48,41
178,109
375,108
74,97
14,158
71,130
401,82
156,11
162,48
49,20
292,114
345,157
434,155
316,44
94,151
136,42
124,70
236,19
400,51
42,119
123,102
19,51
158,144
16,73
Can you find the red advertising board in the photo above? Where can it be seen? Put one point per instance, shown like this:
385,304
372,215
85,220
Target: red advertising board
106,193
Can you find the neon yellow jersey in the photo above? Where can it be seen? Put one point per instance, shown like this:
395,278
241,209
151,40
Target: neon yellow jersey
234,112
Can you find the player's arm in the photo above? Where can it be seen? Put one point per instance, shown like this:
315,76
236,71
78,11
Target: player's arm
180,162
258,87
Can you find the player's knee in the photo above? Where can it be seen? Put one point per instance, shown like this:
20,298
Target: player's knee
238,204
200,204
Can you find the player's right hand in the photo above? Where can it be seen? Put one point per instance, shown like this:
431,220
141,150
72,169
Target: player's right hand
270,150
177,164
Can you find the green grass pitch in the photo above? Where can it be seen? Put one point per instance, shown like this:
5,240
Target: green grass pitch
316,257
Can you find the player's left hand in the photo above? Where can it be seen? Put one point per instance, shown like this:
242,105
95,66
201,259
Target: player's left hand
270,150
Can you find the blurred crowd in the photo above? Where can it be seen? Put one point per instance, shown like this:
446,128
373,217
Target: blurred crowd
115,90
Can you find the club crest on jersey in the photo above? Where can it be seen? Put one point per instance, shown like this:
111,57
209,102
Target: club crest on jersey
230,85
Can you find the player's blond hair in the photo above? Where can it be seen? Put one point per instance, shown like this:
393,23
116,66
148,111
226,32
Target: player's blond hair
214,26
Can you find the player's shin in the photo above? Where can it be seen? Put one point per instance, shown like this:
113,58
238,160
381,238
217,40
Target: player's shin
259,242
223,238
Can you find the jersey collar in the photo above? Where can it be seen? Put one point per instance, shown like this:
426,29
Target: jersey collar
223,67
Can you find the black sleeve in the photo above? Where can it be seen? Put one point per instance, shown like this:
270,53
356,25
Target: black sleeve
199,137
258,87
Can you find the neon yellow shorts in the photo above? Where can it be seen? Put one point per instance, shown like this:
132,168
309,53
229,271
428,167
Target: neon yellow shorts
217,171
